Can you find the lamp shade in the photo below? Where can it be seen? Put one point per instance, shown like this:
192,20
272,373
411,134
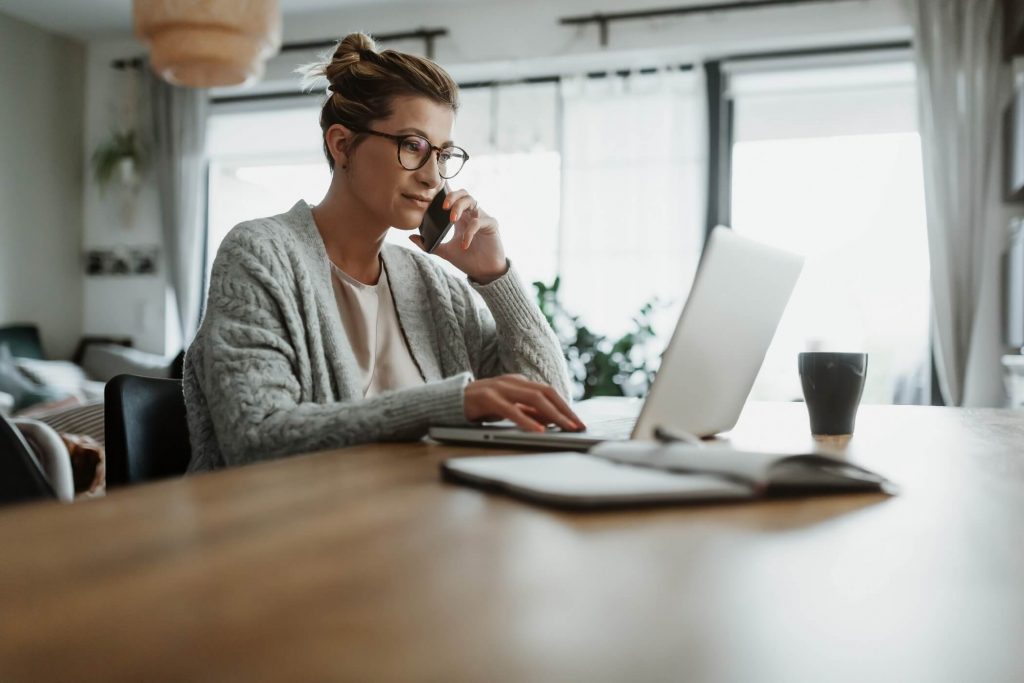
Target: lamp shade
208,43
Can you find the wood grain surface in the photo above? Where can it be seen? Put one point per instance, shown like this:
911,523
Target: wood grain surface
360,564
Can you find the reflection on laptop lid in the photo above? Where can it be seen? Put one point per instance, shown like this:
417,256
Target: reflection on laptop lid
738,297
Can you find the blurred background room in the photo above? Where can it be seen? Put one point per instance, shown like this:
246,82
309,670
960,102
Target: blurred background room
879,138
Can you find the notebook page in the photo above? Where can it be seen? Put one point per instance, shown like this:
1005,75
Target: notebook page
745,465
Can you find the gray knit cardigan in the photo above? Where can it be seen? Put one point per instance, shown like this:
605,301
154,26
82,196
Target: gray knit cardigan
270,372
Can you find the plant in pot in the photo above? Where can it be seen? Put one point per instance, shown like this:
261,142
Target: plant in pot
120,158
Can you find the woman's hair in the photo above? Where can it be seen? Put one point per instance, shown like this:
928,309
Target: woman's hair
363,84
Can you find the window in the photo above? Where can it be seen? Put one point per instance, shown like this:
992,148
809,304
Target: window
597,179
601,180
261,162
633,195
515,166
826,162
585,175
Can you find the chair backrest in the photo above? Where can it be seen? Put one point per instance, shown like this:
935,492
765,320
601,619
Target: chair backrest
23,340
146,429
21,477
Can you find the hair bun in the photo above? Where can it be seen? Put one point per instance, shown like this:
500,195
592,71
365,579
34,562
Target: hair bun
355,44
336,68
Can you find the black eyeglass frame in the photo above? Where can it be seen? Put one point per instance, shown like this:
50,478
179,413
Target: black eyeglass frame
399,139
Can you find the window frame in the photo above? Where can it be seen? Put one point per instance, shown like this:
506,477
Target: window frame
721,134
721,120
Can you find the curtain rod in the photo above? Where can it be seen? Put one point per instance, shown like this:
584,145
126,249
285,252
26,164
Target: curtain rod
818,52
427,35
555,79
807,52
469,85
739,57
603,19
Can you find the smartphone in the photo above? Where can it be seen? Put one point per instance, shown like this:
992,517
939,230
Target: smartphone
436,221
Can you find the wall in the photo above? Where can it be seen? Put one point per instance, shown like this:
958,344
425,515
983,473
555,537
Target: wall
41,164
487,40
121,305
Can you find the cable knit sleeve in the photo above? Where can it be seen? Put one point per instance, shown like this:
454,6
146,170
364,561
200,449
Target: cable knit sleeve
511,335
251,367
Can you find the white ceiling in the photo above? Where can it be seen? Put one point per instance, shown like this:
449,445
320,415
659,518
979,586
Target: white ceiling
87,19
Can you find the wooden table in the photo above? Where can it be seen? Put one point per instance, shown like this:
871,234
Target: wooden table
360,564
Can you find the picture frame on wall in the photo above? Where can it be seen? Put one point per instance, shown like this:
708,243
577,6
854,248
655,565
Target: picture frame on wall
136,260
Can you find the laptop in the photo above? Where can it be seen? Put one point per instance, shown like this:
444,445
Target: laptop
738,296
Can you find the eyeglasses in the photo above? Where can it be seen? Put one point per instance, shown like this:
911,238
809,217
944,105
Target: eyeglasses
414,151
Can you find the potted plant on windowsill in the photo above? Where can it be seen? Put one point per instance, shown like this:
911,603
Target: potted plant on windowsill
120,158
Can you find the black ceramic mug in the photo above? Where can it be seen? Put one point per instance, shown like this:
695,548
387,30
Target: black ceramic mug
833,384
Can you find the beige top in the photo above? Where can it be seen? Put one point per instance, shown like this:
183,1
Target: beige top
371,323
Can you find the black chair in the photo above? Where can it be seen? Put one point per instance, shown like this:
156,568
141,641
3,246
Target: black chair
146,429
21,477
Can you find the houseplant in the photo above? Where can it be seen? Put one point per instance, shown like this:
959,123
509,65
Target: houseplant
599,365
121,157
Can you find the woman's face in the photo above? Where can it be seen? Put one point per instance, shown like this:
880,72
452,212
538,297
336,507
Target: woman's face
391,194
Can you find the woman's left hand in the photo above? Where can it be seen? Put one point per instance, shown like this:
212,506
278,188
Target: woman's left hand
476,247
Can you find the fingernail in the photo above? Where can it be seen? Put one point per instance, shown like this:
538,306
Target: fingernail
457,217
465,245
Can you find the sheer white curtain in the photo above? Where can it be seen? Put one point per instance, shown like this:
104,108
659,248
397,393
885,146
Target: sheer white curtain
633,197
963,85
511,134
179,140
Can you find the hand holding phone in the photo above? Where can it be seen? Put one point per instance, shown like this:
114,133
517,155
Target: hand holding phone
479,253
436,222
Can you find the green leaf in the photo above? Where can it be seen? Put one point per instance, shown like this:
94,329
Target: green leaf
108,155
601,366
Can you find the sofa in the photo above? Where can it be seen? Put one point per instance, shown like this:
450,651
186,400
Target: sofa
29,380
60,402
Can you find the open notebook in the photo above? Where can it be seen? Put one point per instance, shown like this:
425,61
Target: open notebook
643,472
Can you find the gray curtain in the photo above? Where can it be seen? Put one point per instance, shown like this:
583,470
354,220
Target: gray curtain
178,130
963,85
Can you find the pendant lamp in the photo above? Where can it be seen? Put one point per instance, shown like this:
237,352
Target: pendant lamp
208,43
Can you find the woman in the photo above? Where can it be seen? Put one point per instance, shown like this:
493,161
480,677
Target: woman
319,335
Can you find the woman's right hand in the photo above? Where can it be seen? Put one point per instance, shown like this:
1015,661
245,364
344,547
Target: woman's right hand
531,405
